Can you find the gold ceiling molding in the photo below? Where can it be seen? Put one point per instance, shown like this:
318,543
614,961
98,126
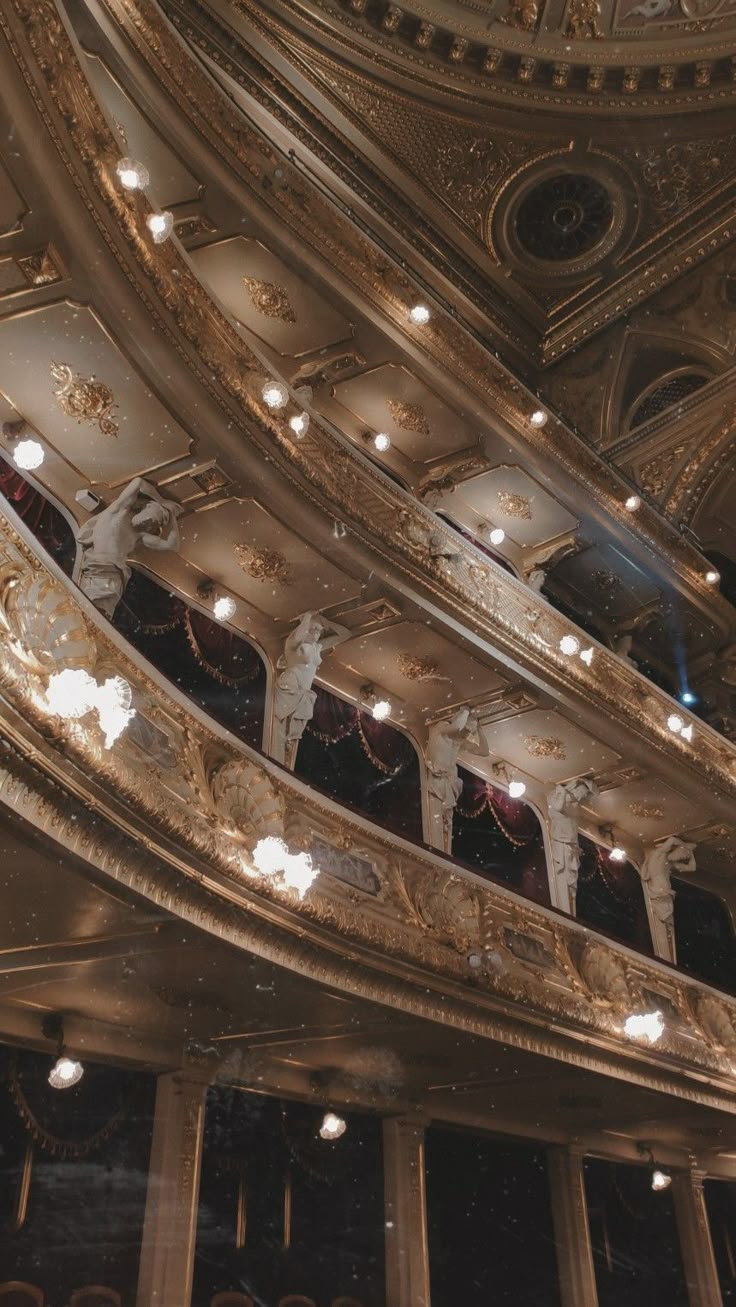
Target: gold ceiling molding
606,580
647,811
84,399
191,827
263,564
514,505
489,600
409,417
655,475
507,67
545,746
270,299
415,668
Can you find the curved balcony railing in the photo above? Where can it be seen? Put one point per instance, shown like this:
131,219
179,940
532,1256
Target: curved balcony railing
373,769
176,806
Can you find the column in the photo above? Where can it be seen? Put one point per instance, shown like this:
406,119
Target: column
407,1254
695,1241
572,1235
170,1224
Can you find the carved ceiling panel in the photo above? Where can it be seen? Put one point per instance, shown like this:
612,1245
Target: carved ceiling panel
64,374
390,398
647,809
413,662
610,586
507,497
547,746
242,547
260,291
174,182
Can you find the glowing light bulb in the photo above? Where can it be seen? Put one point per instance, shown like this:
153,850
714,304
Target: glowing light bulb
587,655
538,417
28,455
65,1072
381,709
712,576
569,645
332,1127
497,535
645,1025
298,872
269,855
112,700
675,723
687,733
419,314
516,789
71,693
299,424
632,503
133,176
617,854
381,442
160,226
275,395
687,697
223,608
661,1179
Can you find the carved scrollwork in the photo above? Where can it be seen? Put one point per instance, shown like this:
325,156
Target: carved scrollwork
605,975
716,1021
248,801
48,631
444,905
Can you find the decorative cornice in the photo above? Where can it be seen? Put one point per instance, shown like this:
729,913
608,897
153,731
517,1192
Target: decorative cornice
519,63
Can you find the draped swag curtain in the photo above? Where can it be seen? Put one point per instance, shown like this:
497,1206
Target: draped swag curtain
500,836
610,897
42,518
365,764
217,668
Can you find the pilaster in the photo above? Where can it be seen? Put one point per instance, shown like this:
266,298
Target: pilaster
170,1223
572,1233
407,1253
695,1241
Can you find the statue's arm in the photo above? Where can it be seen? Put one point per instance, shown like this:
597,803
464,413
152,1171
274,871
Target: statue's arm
162,543
335,634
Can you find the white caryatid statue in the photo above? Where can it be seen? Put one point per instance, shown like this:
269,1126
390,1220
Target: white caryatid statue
139,516
672,857
294,699
446,741
621,645
564,810
536,579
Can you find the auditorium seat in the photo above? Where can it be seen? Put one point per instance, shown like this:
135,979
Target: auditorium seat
230,1298
95,1295
16,1293
297,1300
346,1302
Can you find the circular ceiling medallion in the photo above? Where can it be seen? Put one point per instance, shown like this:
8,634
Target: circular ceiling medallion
563,217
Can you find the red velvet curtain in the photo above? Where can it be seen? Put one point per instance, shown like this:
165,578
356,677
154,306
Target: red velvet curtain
334,719
514,818
48,525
